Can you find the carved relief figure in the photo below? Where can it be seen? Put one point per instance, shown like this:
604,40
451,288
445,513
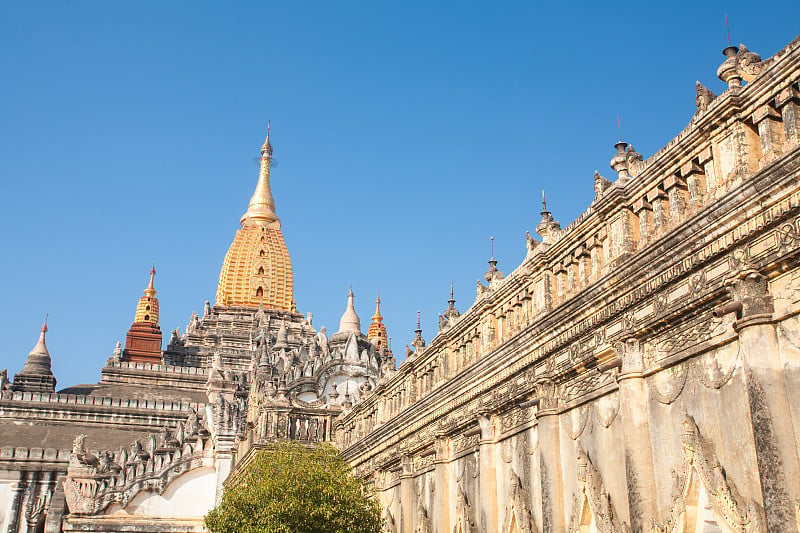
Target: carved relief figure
519,518
465,522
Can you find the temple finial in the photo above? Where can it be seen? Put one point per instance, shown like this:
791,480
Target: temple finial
418,343
377,317
491,239
451,312
350,322
151,290
544,202
261,210
266,148
44,326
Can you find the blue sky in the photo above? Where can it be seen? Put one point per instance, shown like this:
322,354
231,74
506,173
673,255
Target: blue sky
407,133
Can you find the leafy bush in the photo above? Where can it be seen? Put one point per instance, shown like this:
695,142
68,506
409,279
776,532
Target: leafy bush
291,488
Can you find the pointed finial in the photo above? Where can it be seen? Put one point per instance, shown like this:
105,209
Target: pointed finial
491,239
727,30
418,322
44,326
619,129
544,202
451,291
377,316
266,148
350,321
151,290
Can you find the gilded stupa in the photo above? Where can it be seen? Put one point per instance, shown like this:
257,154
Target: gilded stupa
376,333
257,270
143,341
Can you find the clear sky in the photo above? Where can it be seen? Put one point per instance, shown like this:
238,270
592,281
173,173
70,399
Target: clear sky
407,133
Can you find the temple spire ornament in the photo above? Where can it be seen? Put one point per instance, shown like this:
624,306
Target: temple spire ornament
257,270
376,333
143,340
350,323
261,210
493,274
37,374
451,313
548,228
418,343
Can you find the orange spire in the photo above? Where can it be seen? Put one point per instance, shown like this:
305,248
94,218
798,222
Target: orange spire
143,341
376,333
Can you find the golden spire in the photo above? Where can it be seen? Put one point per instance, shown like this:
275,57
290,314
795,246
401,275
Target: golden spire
377,316
261,210
147,308
143,341
376,333
150,290
257,270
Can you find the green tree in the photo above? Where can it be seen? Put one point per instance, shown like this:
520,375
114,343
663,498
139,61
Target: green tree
291,488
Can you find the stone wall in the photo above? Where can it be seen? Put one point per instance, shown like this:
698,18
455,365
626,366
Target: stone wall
639,370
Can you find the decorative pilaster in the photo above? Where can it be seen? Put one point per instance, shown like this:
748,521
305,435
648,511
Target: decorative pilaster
407,495
770,132
675,186
488,469
638,459
788,102
550,459
657,198
776,450
441,513
692,173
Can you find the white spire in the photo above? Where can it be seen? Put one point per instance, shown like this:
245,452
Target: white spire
350,322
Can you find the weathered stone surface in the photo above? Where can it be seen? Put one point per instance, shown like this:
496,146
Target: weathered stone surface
649,387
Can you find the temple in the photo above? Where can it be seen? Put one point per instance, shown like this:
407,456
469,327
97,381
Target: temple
638,371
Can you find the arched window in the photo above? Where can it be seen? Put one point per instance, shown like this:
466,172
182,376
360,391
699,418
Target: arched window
262,253
146,307
260,292
147,317
260,271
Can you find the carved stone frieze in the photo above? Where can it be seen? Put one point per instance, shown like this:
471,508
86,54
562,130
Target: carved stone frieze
702,466
94,482
518,510
591,485
465,516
